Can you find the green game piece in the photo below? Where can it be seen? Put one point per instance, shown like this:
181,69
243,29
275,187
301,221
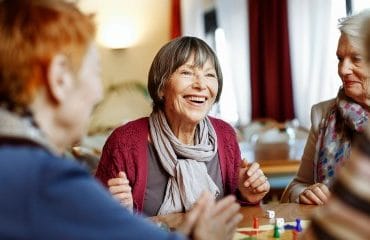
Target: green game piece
276,232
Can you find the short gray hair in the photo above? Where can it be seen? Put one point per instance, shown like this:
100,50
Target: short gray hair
173,55
351,26
366,30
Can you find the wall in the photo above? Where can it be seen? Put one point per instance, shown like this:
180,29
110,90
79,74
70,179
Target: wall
121,67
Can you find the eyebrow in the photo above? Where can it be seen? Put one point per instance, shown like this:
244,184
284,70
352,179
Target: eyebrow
210,68
193,66
188,65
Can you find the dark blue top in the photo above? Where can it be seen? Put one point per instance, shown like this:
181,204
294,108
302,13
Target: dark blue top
43,196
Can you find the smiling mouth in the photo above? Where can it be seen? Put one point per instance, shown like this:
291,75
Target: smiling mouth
196,99
348,83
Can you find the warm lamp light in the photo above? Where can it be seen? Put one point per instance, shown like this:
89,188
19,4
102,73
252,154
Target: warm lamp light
116,33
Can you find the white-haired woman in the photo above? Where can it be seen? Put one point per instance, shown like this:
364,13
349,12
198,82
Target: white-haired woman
335,121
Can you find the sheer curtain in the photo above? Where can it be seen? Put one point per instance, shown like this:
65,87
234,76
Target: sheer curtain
231,46
192,19
232,19
313,36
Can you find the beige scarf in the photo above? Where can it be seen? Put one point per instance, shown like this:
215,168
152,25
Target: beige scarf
184,163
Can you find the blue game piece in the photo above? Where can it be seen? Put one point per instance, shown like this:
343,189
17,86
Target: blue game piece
289,227
298,226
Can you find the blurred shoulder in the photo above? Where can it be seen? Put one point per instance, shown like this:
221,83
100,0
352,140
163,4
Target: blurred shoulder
320,110
324,106
33,163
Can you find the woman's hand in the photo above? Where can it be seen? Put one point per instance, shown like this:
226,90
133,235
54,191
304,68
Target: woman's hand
212,220
253,184
120,189
317,193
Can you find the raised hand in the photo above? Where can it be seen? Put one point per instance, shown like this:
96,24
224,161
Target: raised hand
121,190
212,220
253,184
317,193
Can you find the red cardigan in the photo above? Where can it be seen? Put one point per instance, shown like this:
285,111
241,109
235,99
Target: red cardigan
126,150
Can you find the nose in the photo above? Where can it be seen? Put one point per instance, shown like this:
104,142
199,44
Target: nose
345,67
199,82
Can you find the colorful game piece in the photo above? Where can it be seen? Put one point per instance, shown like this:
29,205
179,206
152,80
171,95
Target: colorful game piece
270,214
256,223
276,231
289,227
298,226
279,222
295,235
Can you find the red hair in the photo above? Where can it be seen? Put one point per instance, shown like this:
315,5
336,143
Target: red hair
31,34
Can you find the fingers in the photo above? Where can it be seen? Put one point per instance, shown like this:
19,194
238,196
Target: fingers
324,189
122,174
320,195
194,214
256,178
119,180
264,187
120,188
223,203
304,200
315,194
233,224
217,220
125,188
225,214
253,167
260,180
123,197
228,212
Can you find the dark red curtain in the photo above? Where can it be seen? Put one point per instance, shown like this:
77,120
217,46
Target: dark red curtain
175,19
271,82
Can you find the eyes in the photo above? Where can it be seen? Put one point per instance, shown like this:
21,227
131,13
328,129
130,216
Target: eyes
355,58
190,73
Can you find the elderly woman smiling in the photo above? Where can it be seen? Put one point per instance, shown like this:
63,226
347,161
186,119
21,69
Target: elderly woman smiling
334,122
161,164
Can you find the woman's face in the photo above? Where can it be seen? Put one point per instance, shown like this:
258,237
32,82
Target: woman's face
190,92
352,70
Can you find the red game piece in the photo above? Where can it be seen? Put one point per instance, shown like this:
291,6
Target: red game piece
256,223
295,235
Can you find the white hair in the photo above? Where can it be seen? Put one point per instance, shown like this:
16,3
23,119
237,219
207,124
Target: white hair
366,30
351,26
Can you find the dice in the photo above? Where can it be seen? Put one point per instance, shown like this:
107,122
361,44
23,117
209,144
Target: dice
279,222
270,214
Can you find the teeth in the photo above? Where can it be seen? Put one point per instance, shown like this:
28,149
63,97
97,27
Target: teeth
197,99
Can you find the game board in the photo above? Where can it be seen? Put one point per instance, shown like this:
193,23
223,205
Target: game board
266,232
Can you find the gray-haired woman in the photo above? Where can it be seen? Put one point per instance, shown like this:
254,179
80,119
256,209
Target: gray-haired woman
161,164
335,121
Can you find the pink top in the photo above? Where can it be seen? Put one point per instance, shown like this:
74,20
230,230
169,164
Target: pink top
126,150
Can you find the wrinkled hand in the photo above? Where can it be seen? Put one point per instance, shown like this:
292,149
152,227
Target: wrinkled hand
317,193
253,185
212,220
120,189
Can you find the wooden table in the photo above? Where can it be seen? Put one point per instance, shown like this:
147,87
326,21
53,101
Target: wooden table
288,211
279,166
